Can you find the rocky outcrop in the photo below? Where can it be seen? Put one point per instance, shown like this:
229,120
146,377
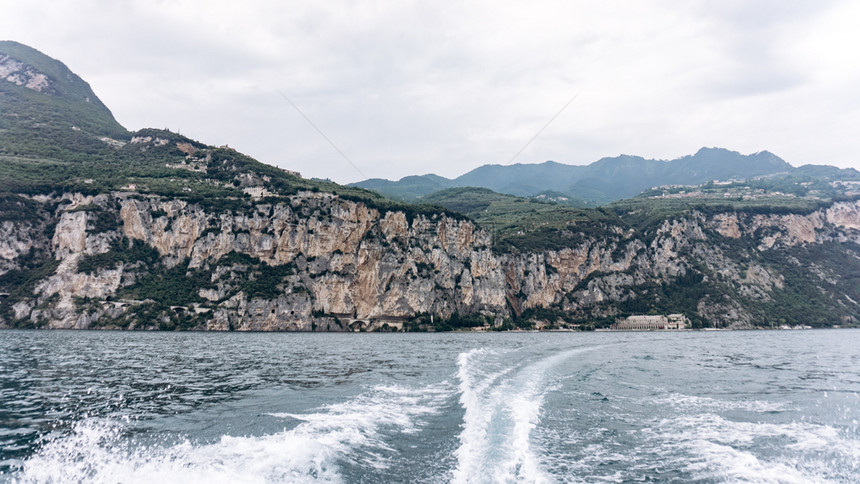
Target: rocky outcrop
317,262
17,72
844,215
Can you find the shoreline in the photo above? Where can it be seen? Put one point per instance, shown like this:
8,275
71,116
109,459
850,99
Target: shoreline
456,331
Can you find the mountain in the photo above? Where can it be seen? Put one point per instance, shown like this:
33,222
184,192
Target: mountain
55,133
600,182
101,228
48,110
408,188
828,173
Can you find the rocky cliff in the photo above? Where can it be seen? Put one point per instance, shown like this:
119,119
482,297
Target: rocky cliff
104,228
314,261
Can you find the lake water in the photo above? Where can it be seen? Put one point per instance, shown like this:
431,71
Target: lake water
778,406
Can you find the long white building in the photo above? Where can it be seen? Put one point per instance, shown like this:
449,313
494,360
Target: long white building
652,323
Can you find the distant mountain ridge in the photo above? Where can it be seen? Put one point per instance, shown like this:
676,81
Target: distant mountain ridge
603,181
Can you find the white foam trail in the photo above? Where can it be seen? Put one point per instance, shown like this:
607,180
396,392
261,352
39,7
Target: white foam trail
734,465
697,404
722,449
310,452
502,407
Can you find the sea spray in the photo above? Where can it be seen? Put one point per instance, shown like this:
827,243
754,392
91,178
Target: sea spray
502,395
96,449
720,449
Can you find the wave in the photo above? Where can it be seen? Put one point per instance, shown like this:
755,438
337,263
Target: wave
681,402
716,448
502,398
312,451
531,414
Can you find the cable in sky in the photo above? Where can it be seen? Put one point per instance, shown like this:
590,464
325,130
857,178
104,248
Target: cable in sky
324,136
544,127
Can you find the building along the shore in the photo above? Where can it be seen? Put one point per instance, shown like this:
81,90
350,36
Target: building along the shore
652,323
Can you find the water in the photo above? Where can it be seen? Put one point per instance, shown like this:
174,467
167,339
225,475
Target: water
535,407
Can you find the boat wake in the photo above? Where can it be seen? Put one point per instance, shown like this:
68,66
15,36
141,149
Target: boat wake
99,450
537,413
502,397
716,448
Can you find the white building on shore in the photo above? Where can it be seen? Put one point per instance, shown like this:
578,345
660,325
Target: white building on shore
652,323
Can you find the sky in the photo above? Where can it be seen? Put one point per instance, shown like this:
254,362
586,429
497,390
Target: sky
406,88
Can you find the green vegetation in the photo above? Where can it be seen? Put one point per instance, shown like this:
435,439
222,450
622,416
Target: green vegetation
410,189
261,280
154,315
64,139
20,284
123,251
63,121
457,322
175,286
642,212
780,194
525,225
821,297
554,317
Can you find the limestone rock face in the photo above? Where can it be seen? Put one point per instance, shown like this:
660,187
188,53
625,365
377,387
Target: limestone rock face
317,262
845,215
791,229
71,234
172,234
17,72
727,225
17,239
69,285
354,260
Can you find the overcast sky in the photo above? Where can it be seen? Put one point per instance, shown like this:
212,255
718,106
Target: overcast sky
443,87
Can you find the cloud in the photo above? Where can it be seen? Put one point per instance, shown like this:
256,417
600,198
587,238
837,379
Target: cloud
409,87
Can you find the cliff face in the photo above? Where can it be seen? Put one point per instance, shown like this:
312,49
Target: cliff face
319,262
301,259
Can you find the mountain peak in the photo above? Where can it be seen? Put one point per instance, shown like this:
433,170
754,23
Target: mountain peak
21,74
40,93
767,155
607,179
714,150
27,67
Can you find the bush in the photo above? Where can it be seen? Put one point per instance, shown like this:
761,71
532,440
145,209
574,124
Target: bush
122,251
